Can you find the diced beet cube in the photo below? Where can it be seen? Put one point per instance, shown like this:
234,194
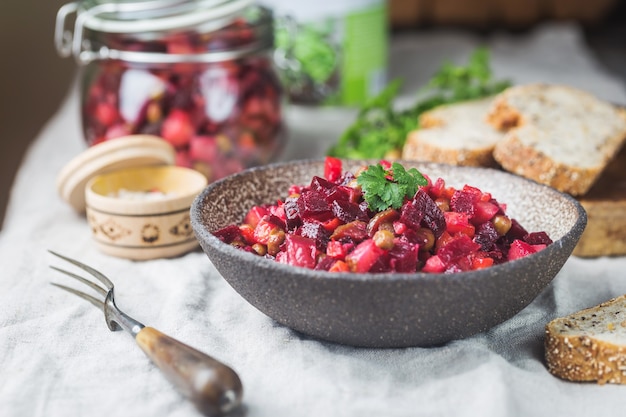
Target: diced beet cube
311,204
364,256
437,188
292,214
247,233
317,232
301,251
325,263
281,257
403,256
476,192
321,185
335,249
348,212
458,223
516,231
520,249
481,263
537,238
255,214
432,214
497,255
265,227
228,234
463,202
278,210
342,192
456,252
177,128
434,264
486,236
399,228
339,250
275,220
484,211
382,264
339,193
410,216
332,169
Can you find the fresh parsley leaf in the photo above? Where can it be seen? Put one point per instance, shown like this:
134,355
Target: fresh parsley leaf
408,180
383,189
380,131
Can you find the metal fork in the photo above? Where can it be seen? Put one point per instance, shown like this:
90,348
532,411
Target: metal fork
213,387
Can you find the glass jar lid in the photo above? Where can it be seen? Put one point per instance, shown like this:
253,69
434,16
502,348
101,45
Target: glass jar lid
136,16
142,17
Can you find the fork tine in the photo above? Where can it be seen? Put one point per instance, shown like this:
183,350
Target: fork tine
99,275
81,294
96,287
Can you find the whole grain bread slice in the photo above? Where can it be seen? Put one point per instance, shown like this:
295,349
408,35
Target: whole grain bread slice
589,345
456,134
556,135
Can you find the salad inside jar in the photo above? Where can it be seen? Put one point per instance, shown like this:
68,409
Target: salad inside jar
216,98
383,218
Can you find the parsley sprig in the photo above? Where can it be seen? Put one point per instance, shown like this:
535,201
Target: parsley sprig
384,188
380,130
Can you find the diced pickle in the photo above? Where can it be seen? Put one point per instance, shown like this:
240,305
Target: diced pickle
387,216
384,239
426,238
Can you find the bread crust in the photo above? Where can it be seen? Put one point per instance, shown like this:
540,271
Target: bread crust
526,161
417,150
583,357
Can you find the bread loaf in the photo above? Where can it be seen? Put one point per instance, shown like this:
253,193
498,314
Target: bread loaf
589,345
454,134
556,135
605,204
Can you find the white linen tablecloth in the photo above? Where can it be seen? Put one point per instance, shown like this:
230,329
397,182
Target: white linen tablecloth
57,357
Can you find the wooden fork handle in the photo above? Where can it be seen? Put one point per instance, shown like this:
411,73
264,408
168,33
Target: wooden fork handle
213,387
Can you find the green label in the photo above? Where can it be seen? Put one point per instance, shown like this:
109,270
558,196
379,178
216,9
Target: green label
364,55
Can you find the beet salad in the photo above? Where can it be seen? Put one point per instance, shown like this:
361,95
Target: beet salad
383,218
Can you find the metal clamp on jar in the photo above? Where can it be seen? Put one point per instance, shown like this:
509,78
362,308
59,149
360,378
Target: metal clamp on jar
198,73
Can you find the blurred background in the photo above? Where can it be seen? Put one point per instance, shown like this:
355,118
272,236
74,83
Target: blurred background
34,80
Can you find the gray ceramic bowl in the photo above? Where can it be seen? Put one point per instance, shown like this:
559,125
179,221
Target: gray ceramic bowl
388,310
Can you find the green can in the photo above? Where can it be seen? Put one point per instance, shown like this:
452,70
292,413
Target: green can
331,52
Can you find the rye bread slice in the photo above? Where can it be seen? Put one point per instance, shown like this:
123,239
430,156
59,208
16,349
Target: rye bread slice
589,345
556,135
454,134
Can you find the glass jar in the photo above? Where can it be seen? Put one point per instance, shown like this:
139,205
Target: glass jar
199,74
